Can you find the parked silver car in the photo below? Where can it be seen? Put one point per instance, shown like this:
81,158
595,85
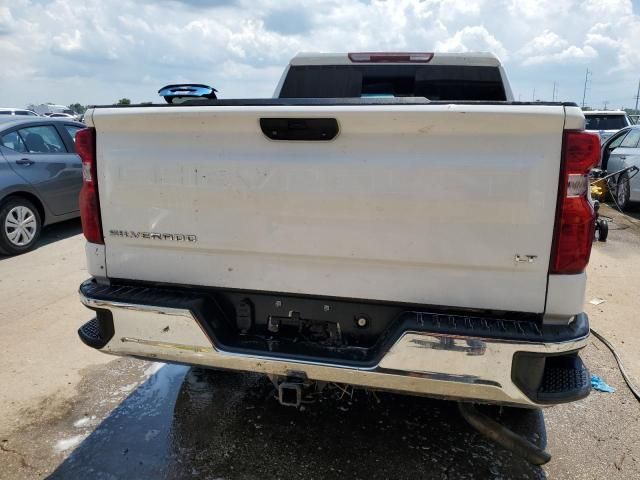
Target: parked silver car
40,178
618,152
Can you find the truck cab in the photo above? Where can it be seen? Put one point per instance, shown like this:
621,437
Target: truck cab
448,76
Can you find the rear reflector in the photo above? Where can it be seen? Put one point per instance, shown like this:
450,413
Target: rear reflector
89,202
575,217
390,57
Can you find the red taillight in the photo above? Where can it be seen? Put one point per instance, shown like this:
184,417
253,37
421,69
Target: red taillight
89,203
390,57
575,217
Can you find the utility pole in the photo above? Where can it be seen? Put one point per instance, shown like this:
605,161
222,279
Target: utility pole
637,97
533,95
606,102
584,92
553,97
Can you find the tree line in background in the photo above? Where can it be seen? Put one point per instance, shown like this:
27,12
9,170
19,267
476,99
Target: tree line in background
79,109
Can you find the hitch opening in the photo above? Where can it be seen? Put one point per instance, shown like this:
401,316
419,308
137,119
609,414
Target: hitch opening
290,394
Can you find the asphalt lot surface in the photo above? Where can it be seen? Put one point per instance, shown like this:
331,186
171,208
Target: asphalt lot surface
69,412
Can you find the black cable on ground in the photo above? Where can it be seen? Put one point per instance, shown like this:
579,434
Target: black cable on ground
632,387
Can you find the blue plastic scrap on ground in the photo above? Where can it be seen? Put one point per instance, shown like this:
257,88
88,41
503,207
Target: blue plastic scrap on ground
599,384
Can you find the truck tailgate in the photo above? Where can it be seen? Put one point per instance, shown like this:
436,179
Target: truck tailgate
424,204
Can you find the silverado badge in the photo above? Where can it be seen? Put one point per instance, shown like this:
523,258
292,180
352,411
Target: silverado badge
171,237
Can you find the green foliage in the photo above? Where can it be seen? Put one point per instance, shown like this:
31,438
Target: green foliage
78,108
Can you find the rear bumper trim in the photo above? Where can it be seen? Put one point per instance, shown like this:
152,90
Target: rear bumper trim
440,364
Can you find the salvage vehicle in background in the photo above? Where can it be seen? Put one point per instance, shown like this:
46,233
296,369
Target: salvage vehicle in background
46,109
622,150
61,115
40,178
606,122
18,111
390,220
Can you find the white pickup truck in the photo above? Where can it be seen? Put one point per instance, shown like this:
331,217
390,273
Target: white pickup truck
392,221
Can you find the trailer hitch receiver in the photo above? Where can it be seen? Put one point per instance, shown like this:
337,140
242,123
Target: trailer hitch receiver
290,394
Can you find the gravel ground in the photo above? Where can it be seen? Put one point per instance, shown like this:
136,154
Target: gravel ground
131,419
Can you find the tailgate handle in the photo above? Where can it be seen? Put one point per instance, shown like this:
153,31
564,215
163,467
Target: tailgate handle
309,129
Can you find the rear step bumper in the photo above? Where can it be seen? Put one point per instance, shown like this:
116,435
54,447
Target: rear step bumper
503,362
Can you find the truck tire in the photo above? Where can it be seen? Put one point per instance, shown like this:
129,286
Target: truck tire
623,191
20,226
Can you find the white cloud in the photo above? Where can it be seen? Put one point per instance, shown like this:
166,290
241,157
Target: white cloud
473,39
550,48
96,51
536,10
569,54
546,42
67,42
6,21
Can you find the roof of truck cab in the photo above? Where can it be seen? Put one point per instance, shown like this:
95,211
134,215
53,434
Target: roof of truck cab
481,59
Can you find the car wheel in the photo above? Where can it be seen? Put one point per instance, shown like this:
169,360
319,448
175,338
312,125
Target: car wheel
623,191
20,226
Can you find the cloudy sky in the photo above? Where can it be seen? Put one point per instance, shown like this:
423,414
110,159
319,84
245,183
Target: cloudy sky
96,51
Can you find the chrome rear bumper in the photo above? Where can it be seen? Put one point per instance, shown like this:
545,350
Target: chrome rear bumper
424,363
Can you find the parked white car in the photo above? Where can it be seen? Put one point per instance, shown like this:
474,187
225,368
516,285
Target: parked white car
606,122
46,109
62,115
18,111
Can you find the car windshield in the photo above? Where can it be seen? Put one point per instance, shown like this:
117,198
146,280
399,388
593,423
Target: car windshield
605,122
